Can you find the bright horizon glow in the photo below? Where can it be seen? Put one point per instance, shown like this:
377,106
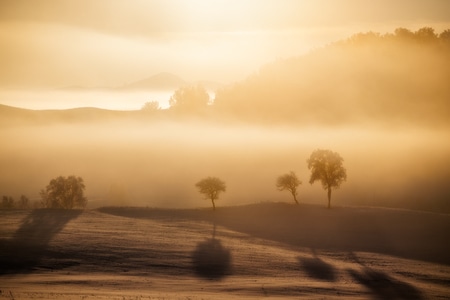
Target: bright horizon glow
61,99
53,45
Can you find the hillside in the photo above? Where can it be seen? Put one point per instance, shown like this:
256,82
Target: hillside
160,81
13,116
263,250
166,82
369,78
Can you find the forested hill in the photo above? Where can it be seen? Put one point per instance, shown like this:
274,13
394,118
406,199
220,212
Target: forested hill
401,77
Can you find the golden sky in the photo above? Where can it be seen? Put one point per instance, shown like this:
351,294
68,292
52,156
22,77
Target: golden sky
55,43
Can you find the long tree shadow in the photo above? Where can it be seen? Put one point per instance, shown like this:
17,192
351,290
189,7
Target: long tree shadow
383,286
211,259
394,232
317,268
30,242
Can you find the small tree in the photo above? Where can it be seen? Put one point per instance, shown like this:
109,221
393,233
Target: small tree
7,202
150,107
23,202
289,182
64,193
327,167
211,188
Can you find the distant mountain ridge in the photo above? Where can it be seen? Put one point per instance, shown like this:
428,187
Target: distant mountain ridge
12,116
167,81
163,81
160,81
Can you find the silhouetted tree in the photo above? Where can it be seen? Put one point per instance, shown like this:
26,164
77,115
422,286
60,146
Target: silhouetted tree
64,193
7,202
289,182
150,107
426,34
404,33
190,99
23,202
445,35
327,167
211,188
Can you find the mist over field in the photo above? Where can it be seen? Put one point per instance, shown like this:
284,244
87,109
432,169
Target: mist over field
190,149
42,99
141,162
380,101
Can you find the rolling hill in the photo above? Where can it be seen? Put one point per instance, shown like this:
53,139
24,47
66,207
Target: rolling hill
13,116
264,250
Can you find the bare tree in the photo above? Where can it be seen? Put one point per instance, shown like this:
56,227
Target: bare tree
289,182
327,167
211,187
65,193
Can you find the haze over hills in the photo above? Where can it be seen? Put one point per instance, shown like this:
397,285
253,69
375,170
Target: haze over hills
392,78
160,81
399,77
344,97
277,155
163,81
131,96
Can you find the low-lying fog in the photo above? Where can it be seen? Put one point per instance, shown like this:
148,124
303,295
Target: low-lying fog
69,98
157,164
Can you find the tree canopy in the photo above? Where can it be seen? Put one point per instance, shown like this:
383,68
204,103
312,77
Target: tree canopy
289,182
150,107
190,99
64,192
211,187
326,166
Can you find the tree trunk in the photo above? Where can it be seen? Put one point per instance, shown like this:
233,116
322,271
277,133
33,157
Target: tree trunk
295,198
329,197
214,205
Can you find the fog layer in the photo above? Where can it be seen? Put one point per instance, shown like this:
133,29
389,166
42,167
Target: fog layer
157,164
380,101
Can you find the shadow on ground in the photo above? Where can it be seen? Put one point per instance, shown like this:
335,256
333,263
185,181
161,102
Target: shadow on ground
382,286
29,245
408,234
317,268
211,259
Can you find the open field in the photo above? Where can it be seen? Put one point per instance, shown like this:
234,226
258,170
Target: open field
271,250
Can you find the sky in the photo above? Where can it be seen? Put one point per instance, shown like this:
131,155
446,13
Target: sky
102,43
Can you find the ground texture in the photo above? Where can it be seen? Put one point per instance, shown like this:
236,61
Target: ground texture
269,250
